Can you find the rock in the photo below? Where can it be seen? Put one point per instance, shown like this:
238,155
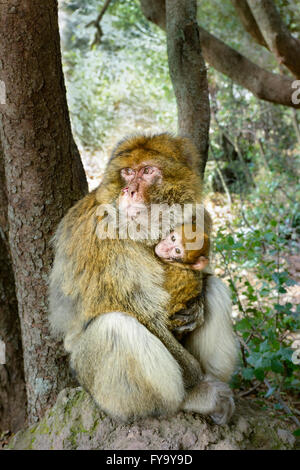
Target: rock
75,422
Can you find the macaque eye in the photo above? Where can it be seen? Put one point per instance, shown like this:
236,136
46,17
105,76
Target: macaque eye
178,251
173,238
148,170
127,172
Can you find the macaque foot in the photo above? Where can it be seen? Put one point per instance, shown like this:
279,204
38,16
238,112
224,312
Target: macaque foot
225,406
213,398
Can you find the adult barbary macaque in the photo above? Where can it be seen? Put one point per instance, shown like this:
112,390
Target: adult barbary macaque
108,301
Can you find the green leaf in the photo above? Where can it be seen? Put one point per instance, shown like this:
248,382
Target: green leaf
276,366
259,374
248,374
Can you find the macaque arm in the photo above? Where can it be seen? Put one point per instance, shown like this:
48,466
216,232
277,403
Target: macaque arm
191,369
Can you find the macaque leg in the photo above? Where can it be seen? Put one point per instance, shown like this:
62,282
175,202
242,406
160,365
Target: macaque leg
127,370
211,397
190,367
214,345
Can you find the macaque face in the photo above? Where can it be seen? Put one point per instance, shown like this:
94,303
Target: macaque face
136,182
138,179
171,248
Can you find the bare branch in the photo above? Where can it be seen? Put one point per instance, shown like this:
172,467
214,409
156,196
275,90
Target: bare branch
296,125
96,23
222,179
284,46
248,21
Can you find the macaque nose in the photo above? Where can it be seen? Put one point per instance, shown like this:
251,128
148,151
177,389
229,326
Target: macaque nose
133,190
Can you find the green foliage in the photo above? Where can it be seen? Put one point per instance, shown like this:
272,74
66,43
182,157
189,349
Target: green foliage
252,249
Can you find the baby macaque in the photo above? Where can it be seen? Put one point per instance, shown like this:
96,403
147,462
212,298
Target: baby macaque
186,254
175,248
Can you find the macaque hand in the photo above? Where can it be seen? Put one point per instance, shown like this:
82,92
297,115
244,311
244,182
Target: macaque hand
187,320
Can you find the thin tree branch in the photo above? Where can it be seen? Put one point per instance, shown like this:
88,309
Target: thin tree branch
248,21
296,125
223,182
247,392
96,23
262,151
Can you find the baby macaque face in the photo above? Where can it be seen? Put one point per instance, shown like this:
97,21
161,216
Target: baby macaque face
171,248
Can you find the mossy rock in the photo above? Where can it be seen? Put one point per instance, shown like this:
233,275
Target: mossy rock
75,422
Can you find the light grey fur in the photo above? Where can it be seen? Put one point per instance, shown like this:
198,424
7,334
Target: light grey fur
131,374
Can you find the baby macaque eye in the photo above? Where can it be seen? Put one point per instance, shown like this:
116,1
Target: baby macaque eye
173,238
178,251
148,170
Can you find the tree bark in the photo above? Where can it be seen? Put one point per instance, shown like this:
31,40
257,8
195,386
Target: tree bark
12,383
284,46
44,177
263,84
188,74
248,21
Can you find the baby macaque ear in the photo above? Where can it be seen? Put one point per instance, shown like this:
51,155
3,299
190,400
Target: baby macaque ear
200,264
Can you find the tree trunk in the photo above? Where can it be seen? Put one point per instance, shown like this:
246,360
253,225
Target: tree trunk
44,177
188,73
12,384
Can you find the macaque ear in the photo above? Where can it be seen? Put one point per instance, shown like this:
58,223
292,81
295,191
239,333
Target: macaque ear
200,264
